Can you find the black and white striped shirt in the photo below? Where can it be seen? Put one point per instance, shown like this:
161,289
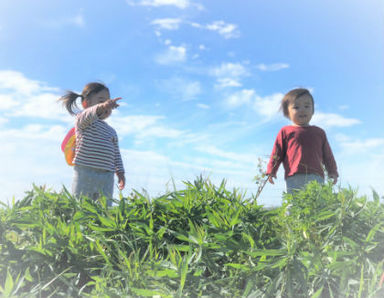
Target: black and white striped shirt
96,143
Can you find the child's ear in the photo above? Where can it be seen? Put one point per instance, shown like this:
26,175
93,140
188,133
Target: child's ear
84,103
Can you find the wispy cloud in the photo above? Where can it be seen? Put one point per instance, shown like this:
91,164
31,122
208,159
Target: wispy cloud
227,30
333,120
213,150
167,23
357,146
143,126
15,82
229,74
7,102
203,106
180,88
172,55
23,97
266,106
181,4
240,98
76,20
44,105
230,70
272,67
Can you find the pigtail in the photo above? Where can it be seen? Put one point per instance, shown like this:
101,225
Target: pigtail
69,101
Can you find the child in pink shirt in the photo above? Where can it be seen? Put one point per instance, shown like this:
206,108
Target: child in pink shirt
302,148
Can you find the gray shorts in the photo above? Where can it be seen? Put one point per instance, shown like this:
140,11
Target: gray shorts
298,181
92,182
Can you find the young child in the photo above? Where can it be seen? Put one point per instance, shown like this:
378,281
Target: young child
97,154
302,148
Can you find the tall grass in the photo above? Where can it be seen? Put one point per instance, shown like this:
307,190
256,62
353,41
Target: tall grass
204,240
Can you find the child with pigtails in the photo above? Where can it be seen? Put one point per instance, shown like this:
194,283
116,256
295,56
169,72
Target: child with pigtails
97,155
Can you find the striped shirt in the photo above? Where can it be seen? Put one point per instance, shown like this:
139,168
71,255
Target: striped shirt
96,143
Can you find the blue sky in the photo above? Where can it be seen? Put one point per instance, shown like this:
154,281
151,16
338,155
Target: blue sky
201,83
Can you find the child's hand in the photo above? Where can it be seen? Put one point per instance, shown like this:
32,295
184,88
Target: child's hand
121,180
270,179
110,104
104,109
334,178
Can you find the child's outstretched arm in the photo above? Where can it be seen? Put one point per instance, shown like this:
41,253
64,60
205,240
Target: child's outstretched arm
107,106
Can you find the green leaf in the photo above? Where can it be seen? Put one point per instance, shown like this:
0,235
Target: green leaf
145,292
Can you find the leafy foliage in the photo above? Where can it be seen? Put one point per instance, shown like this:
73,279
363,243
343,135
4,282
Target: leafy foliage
201,241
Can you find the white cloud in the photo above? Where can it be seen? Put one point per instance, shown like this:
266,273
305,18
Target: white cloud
229,74
360,162
3,121
333,120
167,23
224,29
77,21
23,97
143,126
172,55
352,146
227,82
15,82
7,102
203,106
268,106
32,154
43,105
272,67
35,132
212,150
242,97
180,88
230,70
182,4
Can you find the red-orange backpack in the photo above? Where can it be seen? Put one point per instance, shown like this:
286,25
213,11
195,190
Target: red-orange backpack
68,146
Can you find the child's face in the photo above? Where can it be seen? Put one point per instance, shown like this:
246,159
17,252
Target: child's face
301,110
97,98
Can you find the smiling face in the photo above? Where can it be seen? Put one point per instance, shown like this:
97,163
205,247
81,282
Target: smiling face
300,110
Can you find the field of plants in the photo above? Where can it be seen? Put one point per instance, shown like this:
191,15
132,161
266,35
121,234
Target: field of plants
202,241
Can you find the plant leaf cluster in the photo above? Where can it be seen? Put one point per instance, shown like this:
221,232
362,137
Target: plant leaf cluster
202,241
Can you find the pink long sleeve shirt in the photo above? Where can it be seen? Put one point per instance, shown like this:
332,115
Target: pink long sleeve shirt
302,149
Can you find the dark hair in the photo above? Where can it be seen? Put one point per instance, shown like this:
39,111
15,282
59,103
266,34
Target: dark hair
291,96
69,98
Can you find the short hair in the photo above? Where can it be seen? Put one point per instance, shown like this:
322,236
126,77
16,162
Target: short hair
291,96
